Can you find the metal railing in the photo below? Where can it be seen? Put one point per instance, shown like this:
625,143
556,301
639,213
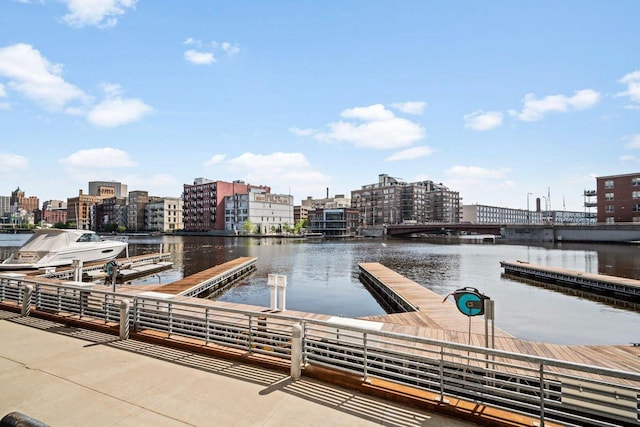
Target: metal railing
546,389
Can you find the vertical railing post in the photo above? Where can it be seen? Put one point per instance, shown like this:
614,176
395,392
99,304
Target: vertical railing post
207,333
170,325
541,395
27,293
364,356
124,319
441,367
38,298
136,314
250,338
296,351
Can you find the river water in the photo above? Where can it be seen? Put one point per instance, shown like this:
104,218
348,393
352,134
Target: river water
322,277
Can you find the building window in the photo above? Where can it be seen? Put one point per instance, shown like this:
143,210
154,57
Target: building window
610,220
635,181
635,194
609,209
608,183
608,196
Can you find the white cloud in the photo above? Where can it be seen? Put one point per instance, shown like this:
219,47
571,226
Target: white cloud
481,120
633,141
481,185
534,109
117,111
3,94
372,113
199,58
302,132
111,90
36,78
12,162
229,48
410,153
476,173
157,184
632,80
97,158
381,129
628,158
204,55
114,110
412,107
381,135
215,159
99,13
283,172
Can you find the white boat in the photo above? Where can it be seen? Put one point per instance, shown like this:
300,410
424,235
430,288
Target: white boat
55,247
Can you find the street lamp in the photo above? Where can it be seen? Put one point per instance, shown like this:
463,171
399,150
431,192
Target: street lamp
528,217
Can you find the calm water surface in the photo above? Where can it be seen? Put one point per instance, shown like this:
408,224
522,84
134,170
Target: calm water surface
322,277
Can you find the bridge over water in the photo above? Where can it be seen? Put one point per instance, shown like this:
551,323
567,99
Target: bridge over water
442,228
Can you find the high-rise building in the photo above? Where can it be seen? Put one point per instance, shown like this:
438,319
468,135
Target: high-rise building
392,201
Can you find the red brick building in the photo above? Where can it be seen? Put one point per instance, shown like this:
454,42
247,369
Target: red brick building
203,208
618,198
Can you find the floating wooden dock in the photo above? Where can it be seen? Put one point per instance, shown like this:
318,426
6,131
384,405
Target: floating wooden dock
212,280
422,307
618,287
130,268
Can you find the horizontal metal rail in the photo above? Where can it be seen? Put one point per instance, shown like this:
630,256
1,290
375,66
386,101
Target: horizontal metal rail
547,389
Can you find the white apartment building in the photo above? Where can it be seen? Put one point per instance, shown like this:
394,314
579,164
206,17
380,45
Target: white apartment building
164,214
268,213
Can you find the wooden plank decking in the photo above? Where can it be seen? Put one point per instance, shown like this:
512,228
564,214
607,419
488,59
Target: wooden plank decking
183,286
432,311
443,321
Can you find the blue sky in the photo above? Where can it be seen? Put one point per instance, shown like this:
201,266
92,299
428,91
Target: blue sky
494,99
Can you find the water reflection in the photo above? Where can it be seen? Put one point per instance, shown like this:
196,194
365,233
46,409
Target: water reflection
323,278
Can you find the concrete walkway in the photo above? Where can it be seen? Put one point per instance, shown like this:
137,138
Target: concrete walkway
64,376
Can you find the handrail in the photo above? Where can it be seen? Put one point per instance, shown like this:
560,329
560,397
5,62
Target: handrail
550,389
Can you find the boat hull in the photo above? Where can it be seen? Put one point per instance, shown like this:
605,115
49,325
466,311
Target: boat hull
32,256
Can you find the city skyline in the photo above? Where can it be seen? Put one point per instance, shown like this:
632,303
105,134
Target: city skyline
502,102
